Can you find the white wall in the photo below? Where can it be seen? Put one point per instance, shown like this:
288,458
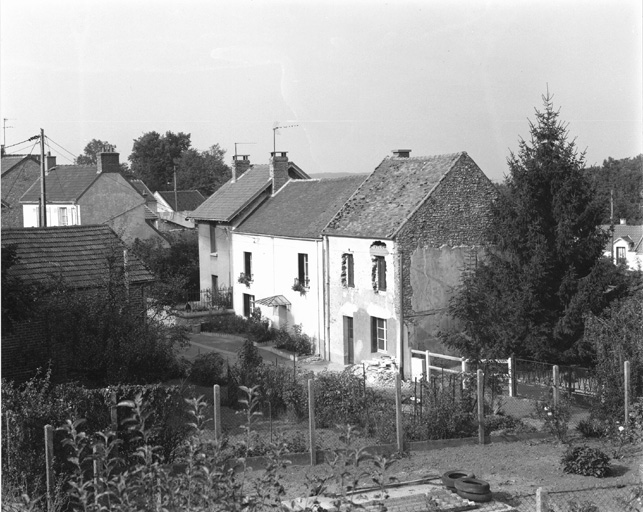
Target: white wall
274,269
217,263
634,261
31,216
361,302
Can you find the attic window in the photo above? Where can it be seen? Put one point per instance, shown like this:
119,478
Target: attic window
348,271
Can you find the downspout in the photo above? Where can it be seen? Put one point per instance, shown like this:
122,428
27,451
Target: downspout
326,295
320,294
400,330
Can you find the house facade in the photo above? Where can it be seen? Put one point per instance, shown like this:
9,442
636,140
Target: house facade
223,211
626,245
278,257
91,195
19,172
396,251
175,207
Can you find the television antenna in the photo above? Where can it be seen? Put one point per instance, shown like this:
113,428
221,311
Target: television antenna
240,144
274,134
4,129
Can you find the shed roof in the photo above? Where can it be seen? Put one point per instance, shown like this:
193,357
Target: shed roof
77,254
388,197
188,200
302,208
65,184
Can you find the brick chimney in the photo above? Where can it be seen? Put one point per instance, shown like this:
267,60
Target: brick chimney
240,164
108,162
402,153
278,169
50,162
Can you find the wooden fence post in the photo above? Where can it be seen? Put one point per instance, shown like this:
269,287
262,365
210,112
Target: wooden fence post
311,422
542,500
97,452
427,362
555,389
8,436
465,369
49,466
398,413
626,372
216,418
113,417
481,438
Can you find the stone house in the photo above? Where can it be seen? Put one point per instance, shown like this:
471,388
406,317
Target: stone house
395,253
79,257
278,256
91,195
625,245
223,211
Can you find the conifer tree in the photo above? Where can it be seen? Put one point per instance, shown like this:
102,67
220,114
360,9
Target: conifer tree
544,271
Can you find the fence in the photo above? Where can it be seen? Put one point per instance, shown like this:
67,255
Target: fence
220,298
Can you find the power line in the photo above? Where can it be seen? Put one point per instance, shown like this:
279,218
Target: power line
74,156
27,140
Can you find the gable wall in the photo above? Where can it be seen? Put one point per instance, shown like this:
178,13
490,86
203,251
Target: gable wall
437,242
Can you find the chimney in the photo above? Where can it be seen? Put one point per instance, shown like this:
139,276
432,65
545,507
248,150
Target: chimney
108,162
278,169
240,164
401,153
623,222
50,161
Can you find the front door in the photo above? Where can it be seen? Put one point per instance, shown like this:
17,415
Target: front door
349,348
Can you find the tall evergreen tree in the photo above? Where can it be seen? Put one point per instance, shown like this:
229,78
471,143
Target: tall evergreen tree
543,275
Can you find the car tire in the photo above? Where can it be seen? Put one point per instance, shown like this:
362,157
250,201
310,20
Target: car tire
478,498
450,477
472,485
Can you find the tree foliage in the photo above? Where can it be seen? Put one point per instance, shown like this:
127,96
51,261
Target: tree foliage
18,299
204,171
90,153
530,295
625,177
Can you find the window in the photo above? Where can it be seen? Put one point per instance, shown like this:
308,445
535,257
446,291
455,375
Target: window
378,334
348,271
74,216
62,217
248,304
213,239
247,264
302,274
379,274
215,283
620,255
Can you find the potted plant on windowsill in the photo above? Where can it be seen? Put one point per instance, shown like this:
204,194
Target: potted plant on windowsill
245,279
299,287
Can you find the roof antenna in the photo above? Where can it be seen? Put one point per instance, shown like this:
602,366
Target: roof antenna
274,133
240,143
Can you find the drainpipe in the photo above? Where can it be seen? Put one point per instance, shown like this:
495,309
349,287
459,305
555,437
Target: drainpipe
400,330
327,294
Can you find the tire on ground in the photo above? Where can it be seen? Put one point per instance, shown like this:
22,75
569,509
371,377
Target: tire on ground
472,485
478,498
449,477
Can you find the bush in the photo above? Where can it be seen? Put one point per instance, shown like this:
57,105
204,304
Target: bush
592,428
555,417
208,369
297,342
586,461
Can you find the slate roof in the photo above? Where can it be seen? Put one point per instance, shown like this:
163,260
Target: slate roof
65,184
188,200
142,189
391,193
302,208
231,197
8,162
149,214
76,253
632,231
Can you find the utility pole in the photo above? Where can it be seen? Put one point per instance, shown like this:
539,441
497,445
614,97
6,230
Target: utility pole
4,130
176,201
612,221
43,196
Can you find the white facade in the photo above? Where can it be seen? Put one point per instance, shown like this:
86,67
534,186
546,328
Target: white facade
57,215
215,252
275,265
373,314
626,252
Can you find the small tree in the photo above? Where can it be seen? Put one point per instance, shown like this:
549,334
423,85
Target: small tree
530,295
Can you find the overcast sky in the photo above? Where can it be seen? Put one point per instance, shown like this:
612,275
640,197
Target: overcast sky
359,78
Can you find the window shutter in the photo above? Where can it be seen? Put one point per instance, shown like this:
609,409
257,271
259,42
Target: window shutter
373,334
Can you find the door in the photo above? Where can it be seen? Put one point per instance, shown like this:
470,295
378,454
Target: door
349,347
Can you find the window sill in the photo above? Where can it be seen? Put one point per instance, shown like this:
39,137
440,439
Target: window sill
214,254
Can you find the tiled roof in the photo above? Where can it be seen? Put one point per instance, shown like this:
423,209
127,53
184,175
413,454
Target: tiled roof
149,214
142,189
388,197
78,254
188,200
632,231
231,197
65,184
302,208
10,161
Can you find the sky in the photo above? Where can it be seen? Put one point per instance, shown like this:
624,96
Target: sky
356,78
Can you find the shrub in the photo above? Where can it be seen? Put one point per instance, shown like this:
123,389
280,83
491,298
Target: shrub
592,428
341,398
249,358
586,461
555,417
502,422
208,369
297,341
